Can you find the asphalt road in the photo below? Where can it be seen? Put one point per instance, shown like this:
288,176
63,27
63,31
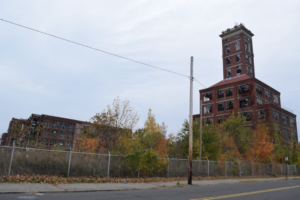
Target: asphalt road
260,190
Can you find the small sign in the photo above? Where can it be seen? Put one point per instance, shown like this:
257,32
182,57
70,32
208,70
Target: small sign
286,158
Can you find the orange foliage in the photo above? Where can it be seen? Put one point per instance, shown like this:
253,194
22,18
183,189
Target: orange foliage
261,146
162,147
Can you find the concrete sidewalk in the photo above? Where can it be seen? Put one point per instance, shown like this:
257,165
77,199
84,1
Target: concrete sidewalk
15,188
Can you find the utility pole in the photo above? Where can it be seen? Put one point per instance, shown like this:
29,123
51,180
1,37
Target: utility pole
200,141
191,126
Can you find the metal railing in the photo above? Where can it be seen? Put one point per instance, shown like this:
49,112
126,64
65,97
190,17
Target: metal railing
32,161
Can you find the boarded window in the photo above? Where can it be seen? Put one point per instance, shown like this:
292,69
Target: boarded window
229,92
229,105
228,72
228,60
284,119
261,114
238,57
292,122
47,123
221,106
259,101
70,136
62,135
275,115
55,124
268,94
237,45
46,133
71,127
227,46
54,134
243,89
244,102
247,115
207,109
238,70
259,90
207,96
220,94
276,99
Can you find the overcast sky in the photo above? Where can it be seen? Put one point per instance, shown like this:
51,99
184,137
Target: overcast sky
43,75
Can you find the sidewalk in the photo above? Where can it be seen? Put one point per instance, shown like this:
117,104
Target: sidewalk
15,188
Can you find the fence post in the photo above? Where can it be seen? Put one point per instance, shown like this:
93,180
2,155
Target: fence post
264,169
295,170
280,168
11,158
239,168
139,172
288,169
108,164
69,162
252,169
168,167
207,167
226,168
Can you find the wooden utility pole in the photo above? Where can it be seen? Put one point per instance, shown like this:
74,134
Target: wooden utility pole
191,126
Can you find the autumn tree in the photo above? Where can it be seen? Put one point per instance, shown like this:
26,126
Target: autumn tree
280,149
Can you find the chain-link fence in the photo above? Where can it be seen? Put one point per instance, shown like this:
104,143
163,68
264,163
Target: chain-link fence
30,161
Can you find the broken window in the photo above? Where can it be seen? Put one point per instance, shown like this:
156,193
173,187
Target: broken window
261,114
228,72
46,133
236,36
250,60
275,115
69,144
70,136
220,120
247,115
207,96
247,58
276,99
227,40
237,45
267,102
61,143
268,94
247,68
62,135
249,48
54,134
71,127
229,92
251,72
207,109
293,135
45,142
243,89
208,120
238,57
221,106
52,142
220,94
244,102
55,124
63,125
227,47
228,60
259,90
47,123
285,133
238,70
246,47
292,122
284,119
259,101
229,105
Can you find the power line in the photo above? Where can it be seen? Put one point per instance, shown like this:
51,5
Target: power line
112,54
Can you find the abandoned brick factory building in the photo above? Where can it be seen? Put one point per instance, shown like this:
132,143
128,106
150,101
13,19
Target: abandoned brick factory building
57,131
241,92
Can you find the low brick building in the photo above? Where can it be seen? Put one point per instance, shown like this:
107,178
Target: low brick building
241,92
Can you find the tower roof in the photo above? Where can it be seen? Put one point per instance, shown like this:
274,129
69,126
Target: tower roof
236,28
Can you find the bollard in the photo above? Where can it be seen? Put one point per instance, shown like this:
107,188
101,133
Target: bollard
69,162
11,158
